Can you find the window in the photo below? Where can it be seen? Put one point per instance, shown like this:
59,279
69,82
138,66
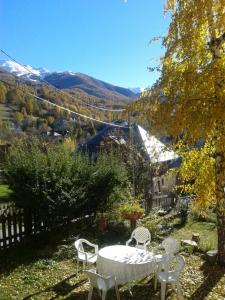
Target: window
159,187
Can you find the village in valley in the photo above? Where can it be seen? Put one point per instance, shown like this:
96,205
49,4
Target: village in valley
110,192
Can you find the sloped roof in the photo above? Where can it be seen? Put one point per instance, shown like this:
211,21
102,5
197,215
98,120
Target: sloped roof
156,150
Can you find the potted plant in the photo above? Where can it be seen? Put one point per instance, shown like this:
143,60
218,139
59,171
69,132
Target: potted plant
131,209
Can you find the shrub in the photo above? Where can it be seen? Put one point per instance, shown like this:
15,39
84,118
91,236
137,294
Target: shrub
130,207
49,177
108,181
152,223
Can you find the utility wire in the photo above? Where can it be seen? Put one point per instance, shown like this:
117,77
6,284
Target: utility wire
62,92
64,108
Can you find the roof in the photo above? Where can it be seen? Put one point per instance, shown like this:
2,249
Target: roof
156,150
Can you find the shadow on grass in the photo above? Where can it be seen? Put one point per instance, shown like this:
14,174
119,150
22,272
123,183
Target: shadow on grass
41,246
142,291
67,291
212,274
62,288
46,245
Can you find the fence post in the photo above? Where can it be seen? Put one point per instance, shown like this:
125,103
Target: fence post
4,232
15,234
9,225
27,221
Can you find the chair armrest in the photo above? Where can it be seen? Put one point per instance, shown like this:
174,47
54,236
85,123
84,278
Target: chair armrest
128,242
82,252
96,248
147,243
92,245
94,254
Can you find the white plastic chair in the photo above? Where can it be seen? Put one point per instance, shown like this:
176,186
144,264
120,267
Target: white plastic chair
102,283
82,255
142,237
171,246
171,276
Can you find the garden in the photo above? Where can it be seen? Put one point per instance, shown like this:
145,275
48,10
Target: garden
52,194
45,267
64,188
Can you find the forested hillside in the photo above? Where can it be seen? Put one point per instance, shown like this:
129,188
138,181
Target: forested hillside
20,113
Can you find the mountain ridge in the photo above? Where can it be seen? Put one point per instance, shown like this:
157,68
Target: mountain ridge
71,80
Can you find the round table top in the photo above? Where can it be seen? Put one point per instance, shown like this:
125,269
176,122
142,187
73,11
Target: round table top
126,254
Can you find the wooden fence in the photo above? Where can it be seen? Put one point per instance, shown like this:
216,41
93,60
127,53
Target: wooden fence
165,202
12,229
12,224
162,201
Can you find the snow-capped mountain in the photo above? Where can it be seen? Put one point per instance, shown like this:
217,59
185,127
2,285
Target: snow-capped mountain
70,80
136,90
27,72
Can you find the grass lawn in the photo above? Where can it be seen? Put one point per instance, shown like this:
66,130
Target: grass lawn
207,232
4,191
47,269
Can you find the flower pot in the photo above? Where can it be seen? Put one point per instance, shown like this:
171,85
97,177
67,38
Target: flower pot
133,216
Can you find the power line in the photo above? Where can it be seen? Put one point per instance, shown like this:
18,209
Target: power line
64,108
62,92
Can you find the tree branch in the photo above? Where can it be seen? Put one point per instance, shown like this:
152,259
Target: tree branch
215,45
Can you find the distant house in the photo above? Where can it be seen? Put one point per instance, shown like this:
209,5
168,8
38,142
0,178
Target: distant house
152,150
115,136
56,132
61,126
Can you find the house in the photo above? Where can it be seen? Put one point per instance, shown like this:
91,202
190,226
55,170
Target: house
152,150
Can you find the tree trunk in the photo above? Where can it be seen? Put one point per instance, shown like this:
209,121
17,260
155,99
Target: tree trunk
220,154
221,234
220,206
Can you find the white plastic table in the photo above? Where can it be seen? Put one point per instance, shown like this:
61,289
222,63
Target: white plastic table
126,263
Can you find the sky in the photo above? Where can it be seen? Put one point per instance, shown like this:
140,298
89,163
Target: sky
106,39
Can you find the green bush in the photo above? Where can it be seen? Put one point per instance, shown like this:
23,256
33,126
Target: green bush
152,223
108,182
49,177
131,205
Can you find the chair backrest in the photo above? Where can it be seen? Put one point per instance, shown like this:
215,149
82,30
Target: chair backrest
96,279
171,245
141,235
174,266
79,244
180,263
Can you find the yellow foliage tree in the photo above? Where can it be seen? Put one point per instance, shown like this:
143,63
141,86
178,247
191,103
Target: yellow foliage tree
2,93
188,101
19,117
50,120
197,175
